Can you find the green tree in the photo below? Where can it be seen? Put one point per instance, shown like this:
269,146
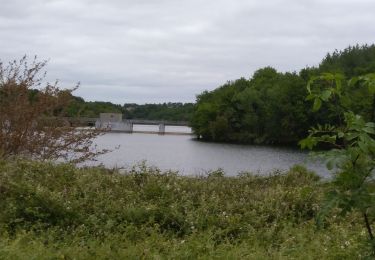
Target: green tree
270,107
264,109
352,148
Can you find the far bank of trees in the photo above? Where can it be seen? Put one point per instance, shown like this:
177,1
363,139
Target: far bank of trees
164,111
271,106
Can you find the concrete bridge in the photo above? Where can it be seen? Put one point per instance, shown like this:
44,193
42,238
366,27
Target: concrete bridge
124,125
127,126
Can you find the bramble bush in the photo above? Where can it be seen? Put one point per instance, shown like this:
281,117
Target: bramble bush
52,211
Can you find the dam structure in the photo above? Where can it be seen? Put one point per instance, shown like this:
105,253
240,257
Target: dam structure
113,122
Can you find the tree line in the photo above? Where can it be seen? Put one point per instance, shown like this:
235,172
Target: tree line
165,111
271,106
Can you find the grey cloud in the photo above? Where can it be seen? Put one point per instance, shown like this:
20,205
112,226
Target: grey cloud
165,50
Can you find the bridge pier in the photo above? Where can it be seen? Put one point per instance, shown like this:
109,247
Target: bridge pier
161,128
128,127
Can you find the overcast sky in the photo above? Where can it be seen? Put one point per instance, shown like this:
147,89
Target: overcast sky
148,51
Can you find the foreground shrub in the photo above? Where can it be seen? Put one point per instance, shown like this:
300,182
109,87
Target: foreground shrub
52,211
31,116
352,142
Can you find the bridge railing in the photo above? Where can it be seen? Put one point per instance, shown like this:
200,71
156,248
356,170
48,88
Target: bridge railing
156,122
133,121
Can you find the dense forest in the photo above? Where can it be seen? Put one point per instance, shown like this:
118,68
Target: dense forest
165,111
271,106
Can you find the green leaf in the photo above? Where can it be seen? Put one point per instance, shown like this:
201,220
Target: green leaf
327,76
311,81
363,146
326,94
369,130
338,79
308,143
351,136
310,97
317,104
353,81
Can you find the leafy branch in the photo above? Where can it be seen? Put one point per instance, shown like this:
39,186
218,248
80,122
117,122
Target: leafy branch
352,153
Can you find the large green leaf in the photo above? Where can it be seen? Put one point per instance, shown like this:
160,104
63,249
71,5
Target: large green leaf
317,104
326,94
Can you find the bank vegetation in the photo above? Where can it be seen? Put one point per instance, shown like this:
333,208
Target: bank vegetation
50,211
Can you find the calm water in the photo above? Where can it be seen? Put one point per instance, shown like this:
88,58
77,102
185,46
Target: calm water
191,157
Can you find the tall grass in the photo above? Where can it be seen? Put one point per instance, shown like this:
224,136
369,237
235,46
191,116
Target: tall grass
52,211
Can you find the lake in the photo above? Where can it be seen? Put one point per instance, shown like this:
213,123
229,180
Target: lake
191,157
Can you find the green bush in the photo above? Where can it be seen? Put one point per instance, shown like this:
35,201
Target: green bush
50,211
